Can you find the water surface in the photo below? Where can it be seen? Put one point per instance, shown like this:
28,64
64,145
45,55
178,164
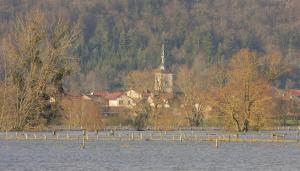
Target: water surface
147,155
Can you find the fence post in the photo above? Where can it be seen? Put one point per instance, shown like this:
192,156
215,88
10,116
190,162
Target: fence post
217,145
83,143
132,136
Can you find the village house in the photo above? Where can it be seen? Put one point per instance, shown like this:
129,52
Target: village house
291,100
114,103
292,94
163,86
134,94
117,101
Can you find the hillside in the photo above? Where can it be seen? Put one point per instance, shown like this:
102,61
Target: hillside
125,35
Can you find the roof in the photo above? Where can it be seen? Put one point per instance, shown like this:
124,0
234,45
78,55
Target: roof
109,95
293,92
146,94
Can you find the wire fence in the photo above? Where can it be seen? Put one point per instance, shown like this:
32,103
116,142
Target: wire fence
291,136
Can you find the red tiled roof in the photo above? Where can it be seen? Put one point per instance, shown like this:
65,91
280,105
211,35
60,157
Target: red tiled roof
146,94
109,95
293,93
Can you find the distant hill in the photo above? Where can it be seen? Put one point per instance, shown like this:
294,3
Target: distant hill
123,35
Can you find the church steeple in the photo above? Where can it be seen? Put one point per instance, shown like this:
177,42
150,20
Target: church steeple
163,79
162,67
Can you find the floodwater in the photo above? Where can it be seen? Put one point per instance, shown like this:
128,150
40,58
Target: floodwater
147,155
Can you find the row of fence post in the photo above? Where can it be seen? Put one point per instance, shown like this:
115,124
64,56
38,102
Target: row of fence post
161,136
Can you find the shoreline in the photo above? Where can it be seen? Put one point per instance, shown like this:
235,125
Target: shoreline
279,136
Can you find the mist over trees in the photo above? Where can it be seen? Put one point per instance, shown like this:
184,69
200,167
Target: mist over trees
125,35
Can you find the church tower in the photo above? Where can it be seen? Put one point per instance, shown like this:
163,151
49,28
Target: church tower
163,78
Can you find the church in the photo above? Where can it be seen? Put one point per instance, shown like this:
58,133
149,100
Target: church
163,78
163,89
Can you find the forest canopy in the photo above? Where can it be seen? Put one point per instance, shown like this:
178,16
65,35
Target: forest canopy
120,36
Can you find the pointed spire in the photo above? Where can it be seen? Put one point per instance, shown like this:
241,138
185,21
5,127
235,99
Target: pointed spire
162,67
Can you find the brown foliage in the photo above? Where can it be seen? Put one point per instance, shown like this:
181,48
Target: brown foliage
140,81
36,60
78,112
194,96
245,98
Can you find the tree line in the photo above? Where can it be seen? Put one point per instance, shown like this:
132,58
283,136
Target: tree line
120,36
228,53
235,95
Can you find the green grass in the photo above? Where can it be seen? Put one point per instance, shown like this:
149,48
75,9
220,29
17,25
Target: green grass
115,121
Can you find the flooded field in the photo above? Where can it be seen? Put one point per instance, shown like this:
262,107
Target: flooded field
146,154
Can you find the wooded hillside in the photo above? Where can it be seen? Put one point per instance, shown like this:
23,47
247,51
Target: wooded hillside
124,35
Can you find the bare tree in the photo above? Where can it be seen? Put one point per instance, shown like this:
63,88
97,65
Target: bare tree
37,56
139,80
78,112
246,96
140,115
194,99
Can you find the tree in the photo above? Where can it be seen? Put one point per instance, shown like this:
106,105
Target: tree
79,112
273,66
194,99
141,81
123,41
38,56
245,98
207,45
116,40
140,115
